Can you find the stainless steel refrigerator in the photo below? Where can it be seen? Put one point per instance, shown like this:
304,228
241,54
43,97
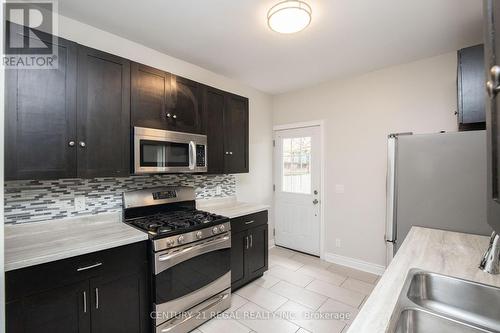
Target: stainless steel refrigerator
437,181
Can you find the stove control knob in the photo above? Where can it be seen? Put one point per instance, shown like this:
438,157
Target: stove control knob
215,230
170,242
199,235
221,228
180,239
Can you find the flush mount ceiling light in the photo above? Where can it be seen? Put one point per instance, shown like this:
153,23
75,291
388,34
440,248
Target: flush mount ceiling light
290,16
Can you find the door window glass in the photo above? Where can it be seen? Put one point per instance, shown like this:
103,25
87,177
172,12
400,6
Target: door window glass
297,165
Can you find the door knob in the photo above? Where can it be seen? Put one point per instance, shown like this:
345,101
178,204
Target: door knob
493,85
315,201
82,144
71,143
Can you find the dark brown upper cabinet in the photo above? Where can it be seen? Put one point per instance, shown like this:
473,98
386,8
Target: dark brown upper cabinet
227,131
236,134
103,114
184,109
149,96
40,109
165,101
471,92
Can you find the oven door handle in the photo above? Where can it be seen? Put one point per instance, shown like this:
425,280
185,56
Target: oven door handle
192,155
165,261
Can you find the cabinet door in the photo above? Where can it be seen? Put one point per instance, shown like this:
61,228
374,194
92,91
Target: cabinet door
471,92
148,100
214,115
492,49
103,114
236,134
61,310
40,107
119,304
184,111
257,254
239,243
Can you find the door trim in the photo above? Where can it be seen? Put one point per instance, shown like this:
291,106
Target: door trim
313,123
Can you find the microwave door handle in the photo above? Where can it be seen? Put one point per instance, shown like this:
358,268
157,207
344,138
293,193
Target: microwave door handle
192,155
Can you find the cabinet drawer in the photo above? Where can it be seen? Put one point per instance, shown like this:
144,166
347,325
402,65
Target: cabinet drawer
26,281
248,221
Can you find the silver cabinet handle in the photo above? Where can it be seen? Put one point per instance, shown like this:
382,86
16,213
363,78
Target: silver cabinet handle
227,153
230,153
169,115
493,85
246,242
251,240
97,298
84,302
89,267
249,222
174,116
71,143
82,144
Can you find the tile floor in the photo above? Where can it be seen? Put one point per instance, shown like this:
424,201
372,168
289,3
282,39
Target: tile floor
299,294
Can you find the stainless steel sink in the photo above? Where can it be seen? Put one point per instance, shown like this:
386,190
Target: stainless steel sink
432,302
419,321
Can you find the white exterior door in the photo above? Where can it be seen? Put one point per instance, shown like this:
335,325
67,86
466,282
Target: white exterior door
297,189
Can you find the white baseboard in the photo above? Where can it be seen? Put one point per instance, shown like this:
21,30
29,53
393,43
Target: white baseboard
355,263
271,243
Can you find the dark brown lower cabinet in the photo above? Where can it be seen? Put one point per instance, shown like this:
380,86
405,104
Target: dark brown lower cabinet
117,303
57,297
249,248
57,310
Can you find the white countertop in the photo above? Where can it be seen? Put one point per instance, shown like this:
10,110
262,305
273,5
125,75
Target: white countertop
229,207
444,252
36,243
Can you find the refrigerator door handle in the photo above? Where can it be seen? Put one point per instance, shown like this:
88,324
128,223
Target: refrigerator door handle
391,217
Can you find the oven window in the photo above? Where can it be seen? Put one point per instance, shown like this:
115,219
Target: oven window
191,275
164,154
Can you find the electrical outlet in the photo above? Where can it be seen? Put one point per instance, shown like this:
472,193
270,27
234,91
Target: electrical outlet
79,203
337,242
218,190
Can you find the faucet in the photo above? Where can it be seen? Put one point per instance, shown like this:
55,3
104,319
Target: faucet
490,263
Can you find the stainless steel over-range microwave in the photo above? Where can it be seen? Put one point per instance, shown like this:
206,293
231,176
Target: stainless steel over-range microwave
160,151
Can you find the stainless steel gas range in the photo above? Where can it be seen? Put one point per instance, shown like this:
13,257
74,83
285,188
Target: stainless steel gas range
190,256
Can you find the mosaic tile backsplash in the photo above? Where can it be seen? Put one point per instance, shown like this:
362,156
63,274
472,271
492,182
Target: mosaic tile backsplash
32,201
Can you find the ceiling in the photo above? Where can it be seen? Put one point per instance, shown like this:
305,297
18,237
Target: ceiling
231,37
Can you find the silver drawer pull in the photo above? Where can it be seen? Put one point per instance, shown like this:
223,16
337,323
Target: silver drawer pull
97,298
249,222
84,302
89,267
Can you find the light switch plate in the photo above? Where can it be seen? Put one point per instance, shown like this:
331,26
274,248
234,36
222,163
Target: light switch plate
339,188
80,203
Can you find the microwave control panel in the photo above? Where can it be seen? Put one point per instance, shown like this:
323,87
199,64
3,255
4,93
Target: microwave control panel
200,156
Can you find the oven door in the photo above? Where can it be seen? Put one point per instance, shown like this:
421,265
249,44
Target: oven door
157,151
188,275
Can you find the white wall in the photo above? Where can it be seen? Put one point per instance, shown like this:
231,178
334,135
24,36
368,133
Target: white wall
255,186
359,113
